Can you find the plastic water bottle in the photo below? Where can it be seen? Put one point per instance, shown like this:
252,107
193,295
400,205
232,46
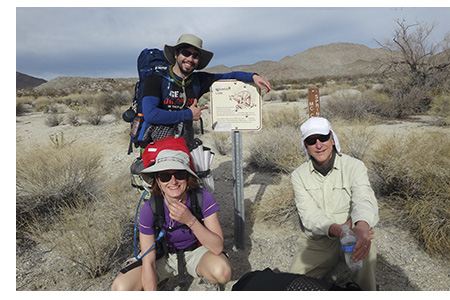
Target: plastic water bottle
348,242
136,124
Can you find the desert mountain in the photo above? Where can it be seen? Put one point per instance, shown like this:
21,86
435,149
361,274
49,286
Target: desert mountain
24,81
338,59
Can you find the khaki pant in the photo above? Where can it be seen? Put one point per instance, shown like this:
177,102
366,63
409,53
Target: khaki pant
317,257
168,266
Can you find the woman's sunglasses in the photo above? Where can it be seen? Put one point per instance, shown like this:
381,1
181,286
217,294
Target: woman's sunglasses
187,53
179,175
313,139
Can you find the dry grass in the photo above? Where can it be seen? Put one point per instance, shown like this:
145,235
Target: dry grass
356,138
279,117
440,107
89,233
415,171
222,142
277,206
50,176
276,150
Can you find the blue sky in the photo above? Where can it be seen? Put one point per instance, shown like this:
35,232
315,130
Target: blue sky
105,41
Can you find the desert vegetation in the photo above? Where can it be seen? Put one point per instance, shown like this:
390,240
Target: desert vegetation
68,203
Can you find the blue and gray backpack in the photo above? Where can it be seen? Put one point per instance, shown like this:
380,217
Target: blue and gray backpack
150,61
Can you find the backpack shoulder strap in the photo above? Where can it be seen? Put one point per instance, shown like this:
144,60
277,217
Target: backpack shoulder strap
196,85
157,206
197,204
166,85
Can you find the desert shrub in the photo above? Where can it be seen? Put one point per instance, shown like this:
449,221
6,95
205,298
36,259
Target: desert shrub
346,106
90,234
278,117
293,95
440,107
357,138
49,176
20,109
271,96
104,103
53,120
23,104
276,149
277,205
73,118
222,142
42,104
415,172
92,115
403,102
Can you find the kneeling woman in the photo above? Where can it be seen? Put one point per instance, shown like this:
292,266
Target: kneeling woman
172,178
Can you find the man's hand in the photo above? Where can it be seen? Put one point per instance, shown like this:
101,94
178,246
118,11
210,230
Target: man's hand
196,111
335,229
364,234
261,83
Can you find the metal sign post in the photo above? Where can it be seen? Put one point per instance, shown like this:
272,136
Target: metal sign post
238,188
236,106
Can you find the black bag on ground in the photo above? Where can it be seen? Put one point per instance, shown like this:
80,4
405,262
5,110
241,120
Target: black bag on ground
268,280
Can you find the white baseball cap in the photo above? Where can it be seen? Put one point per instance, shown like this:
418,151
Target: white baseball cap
318,125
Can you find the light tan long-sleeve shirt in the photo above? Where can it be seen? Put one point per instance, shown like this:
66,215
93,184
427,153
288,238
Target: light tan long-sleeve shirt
344,193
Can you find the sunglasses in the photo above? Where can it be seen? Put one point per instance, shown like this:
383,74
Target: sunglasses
166,176
187,53
313,139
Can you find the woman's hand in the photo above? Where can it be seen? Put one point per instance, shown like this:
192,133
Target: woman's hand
180,212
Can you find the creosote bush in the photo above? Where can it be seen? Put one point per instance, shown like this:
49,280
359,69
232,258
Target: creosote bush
415,172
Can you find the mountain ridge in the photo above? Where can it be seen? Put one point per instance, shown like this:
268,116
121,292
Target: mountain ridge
336,59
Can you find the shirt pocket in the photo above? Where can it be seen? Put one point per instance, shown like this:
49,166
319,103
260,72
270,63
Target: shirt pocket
340,201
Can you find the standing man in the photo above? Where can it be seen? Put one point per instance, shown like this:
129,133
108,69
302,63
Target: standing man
175,114
331,190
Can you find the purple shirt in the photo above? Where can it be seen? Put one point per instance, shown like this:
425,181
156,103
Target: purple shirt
181,238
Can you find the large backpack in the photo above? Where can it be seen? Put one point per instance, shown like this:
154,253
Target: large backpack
150,61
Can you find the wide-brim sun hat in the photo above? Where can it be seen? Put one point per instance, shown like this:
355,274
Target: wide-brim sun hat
318,125
168,160
191,40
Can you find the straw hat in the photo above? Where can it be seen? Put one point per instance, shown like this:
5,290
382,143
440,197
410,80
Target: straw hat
191,40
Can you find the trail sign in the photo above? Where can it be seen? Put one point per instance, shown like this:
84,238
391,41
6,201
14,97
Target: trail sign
313,102
235,105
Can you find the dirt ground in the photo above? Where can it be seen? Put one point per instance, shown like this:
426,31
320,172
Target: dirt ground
402,265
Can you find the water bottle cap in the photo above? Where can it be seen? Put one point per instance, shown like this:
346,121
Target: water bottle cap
345,228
